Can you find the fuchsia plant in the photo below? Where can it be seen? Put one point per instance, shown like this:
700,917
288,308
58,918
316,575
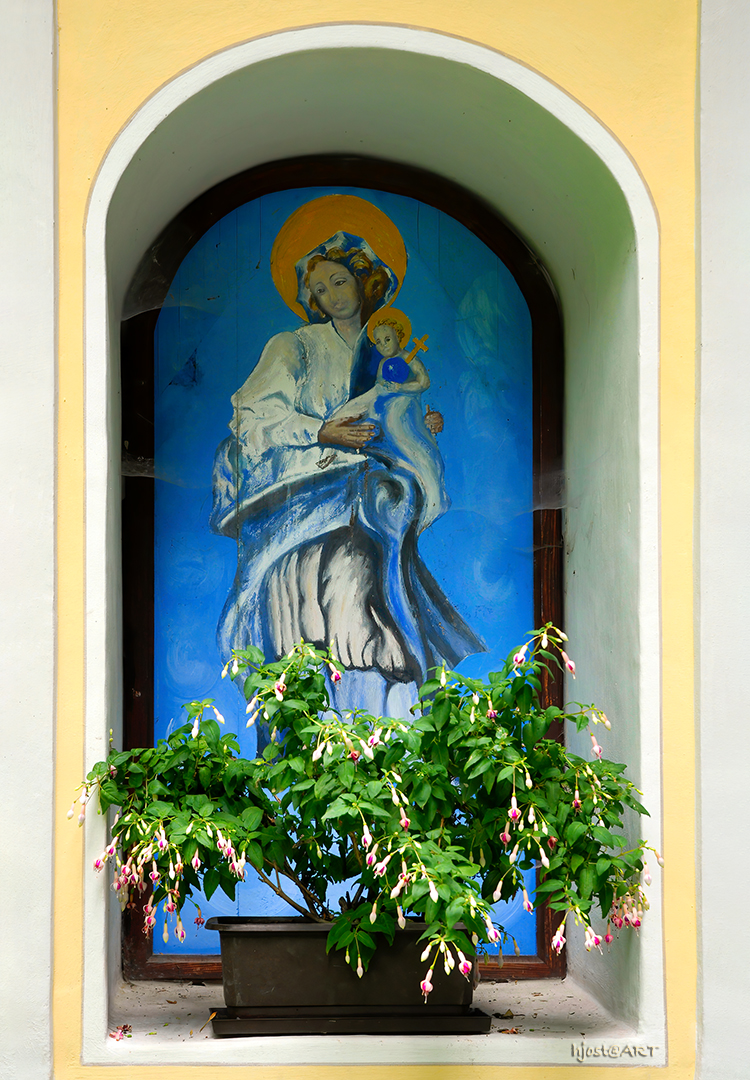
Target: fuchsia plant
437,817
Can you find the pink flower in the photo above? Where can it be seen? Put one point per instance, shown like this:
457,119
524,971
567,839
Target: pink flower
279,689
179,930
559,939
527,904
99,863
355,755
514,813
596,749
493,934
577,804
570,666
372,856
381,867
199,920
505,837
195,862
492,714
592,940
426,986
552,840
608,938
520,656
404,821
335,673
464,965
366,837
154,875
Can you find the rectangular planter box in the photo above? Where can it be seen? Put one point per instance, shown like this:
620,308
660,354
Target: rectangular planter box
278,970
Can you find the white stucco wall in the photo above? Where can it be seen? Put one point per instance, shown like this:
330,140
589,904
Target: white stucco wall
723,535
27,448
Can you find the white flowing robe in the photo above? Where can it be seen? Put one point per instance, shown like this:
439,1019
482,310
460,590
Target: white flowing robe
327,536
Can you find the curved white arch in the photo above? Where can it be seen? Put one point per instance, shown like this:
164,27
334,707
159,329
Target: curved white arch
573,192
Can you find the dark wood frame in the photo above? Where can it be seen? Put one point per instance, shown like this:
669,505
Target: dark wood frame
147,292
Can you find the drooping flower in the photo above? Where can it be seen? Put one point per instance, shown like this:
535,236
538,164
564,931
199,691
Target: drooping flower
527,904
505,837
335,673
520,656
426,984
355,755
252,705
381,866
559,939
569,665
592,940
596,749
279,689
179,930
464,965
493,934
443,681
577,804
374,912
400,917
434,895
366,837
405,822
514,813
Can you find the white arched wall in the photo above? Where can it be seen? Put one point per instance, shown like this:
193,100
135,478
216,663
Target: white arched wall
567,186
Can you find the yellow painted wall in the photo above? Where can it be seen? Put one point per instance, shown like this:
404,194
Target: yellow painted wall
633,65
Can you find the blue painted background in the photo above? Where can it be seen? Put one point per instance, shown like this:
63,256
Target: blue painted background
221,309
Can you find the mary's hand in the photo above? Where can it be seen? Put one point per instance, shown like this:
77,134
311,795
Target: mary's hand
433,420
347,432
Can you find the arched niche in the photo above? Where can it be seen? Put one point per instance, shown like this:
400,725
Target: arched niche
569,189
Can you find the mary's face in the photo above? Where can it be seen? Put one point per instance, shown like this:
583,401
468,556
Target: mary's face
335,290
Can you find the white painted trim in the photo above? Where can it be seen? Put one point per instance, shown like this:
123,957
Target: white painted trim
101,480
27,538
722,531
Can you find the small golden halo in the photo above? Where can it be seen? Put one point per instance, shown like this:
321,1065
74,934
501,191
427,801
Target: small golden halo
317,221
390,315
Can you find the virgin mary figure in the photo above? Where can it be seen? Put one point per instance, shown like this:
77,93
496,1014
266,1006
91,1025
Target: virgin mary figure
327,510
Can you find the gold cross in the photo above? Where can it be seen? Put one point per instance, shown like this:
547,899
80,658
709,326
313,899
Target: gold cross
419,345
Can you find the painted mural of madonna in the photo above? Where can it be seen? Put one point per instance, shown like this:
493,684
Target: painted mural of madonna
332,471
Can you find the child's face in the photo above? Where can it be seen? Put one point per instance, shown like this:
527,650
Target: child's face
386,340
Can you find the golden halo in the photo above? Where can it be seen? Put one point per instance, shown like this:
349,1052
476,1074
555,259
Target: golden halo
389,314
317,221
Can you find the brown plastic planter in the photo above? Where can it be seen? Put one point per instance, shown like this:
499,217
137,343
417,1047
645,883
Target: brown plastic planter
278,979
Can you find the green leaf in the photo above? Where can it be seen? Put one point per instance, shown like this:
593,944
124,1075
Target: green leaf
440,712
604,836
574,831
210,882
251,817
428,688
586,882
